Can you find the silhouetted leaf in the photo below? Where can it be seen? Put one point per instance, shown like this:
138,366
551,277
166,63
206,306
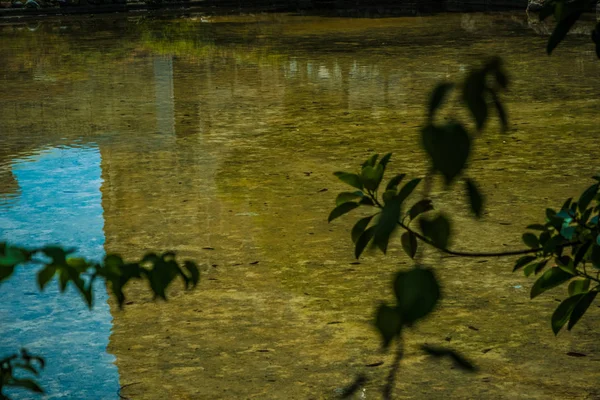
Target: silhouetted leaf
595,254
437,229
448,147
580,254
581,307
578,286
12,256
57,254
6,272
521,262
563,312
473,96
561,30
394,182
417,292
350,179
371,161
27,384
437,97
536,227
385,160
596,39
360,227
345,197
409,243
500,110
387,223
371,177
420,207
194,272
45,275
587,197
363,241
388,322
531,240
550,279
460,361
388,195
475,197
408,189
341,210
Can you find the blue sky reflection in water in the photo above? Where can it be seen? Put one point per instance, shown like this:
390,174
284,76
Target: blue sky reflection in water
58,202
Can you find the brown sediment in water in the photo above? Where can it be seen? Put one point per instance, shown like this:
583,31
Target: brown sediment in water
223,135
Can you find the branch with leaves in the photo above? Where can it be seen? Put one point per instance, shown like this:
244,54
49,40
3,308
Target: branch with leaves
159,270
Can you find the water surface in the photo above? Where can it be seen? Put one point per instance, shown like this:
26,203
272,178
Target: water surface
218,138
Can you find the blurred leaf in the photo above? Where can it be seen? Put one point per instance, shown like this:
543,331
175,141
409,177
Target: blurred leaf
536,227
345,197
567,232
547,10
437,229
473,96
500,110
57,254
63,279
587,197
475,197
350,179
550,279
45,275
531,240
409,243
579,286
385,160
581,308
194,272
394,182
563,312
437,97
521,262
561,30
420,207
388,322
460,361
581,253
360,227
417,292
363,241
341,210
27,384
567,204
595,254
448,147
354,387
366,201
388,195
596,39
6,272
371,177
408,189
387,223
12,256
371,161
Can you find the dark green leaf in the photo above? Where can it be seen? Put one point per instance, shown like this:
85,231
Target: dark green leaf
45,275
448,147
409,243
581,253
341,210
366,201
579,286
521,262
437,229
345,197
27,384
595,254
547,10
417,292
560,31
350,179
371,177
388,195
6,272
420,207
371,161
387,223
394,182
531,240
12,256
550,279
360,227
57,254
500,110
563,312
475,197
587,197
567,204
473,97
385,160
363,241
553,245
408,189
581,307
388,323
437,97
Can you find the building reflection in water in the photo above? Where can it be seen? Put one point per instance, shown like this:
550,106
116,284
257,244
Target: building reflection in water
58,202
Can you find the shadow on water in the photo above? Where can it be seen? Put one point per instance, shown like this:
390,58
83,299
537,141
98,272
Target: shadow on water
217,138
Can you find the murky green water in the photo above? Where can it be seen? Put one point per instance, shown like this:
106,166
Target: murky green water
218,138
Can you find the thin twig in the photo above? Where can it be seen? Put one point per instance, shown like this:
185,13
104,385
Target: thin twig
391,378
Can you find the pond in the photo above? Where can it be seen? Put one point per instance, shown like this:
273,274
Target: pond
217,137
